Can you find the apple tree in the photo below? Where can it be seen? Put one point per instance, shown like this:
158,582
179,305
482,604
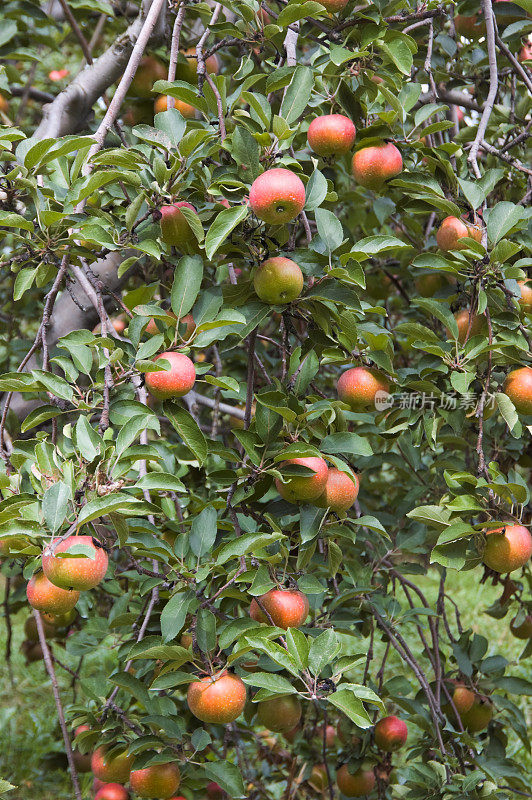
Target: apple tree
267,392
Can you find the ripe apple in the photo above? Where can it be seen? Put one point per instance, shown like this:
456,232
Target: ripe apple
331,134
4,105
185,109
333,6
357,784
471,27
175,382
175,229
340,492
58,74
214,791
32,651
217,698
525,53
375,164
390,733
525,301
112,791
159,780
518,387
478,717
82,572
304,488
118,323
280,714
358,387
288,608
277,196
524,630
111,768
150,70
478,324
452,230
507,548
189,71
46,596
330,735
278,280
463,699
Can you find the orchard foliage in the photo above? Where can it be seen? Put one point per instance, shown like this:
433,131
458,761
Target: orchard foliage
181,492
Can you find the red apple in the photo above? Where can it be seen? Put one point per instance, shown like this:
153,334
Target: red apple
80,572
331,134
373,165
288,608
304,488
277,196
174,382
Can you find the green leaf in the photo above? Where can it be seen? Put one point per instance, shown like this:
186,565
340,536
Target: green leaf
316,190
273,683
188,276
507,409
246,151
23,281
329,228
345,442
295,11
345,700
440,311
120,501
182,91
250,542
502,218
188,429
297,94
174,614
227,776
224,223
172,123
205,630
399,53
298,647
323,651
55,505
203,531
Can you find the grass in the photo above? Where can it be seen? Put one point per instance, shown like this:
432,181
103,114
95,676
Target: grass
31,752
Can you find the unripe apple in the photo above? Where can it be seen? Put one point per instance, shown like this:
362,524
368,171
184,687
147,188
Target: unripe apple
288,608
111,768
478,717
277,196
318,778
525,301
507,548
278,280
159,781
452,230
46,596
175,229
280,714
358,387
112,791
374,165
477,326
331,134
390,734
340,492
185,109
304,488
188,71
174,382
217,698
80,572
524,629
82,761
431,283
149,71
518,387
358,784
